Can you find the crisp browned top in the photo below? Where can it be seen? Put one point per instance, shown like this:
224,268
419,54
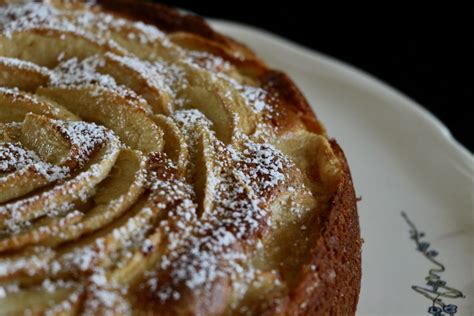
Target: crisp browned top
151,165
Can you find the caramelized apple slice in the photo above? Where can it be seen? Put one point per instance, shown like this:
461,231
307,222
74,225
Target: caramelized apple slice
215,109
47,46
139,76
140,260
175,146
246,120
74,72
14,105
70,306
39,231
106,248
145,41
79,187
56,149
205,172
213,56
116,194
266,289
22,171
129,233
45,137
221,103
20,183
24,75
106,107
195,42
302,147
173,199
104,298
95,250
57,156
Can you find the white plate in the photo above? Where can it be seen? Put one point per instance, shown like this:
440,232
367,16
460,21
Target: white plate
402,158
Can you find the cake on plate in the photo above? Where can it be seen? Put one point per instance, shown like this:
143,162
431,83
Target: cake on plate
152,166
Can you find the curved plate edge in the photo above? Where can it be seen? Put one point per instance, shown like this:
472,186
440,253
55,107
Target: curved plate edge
364,78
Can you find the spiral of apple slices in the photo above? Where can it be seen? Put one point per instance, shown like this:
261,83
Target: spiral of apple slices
137,171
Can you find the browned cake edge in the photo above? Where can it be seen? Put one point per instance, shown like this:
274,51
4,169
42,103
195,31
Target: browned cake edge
336,255
334,289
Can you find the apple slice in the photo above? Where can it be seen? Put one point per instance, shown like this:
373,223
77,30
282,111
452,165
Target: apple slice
175,145
116,194
47,46
10,132
49,151
106,107
215,109
39,231
45,137
173,199
79,187
143,40
21,182
205,172
302,147
230,60
14,105
220,102
141,77
21,74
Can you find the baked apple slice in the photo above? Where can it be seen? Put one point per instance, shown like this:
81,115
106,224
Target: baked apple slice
112,110
48,46
21,74
14,105
78,187
141,76
116,194
175,145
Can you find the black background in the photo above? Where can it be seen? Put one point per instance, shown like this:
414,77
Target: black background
425,52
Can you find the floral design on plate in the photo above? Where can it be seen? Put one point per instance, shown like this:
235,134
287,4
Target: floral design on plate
435,288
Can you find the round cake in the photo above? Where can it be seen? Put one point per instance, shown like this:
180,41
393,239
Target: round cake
152,166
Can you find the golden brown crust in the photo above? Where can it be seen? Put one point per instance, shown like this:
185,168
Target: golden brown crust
333,288
289,100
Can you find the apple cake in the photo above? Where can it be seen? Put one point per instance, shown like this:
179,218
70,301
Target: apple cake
152,166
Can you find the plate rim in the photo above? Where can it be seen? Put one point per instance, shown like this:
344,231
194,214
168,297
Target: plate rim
367,80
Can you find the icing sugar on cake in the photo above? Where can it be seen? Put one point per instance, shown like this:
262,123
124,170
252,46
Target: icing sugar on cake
116,227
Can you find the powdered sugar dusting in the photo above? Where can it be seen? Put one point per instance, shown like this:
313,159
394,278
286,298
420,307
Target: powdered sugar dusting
214,247
73,72
86,138
78,188
25,65
158,74
14,157
30,16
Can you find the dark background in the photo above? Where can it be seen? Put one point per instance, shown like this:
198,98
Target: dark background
424,52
